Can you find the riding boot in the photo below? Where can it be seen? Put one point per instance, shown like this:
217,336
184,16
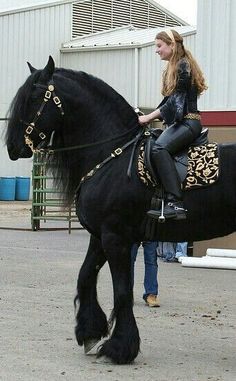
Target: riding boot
165,168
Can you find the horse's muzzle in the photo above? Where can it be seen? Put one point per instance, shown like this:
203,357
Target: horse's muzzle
15,154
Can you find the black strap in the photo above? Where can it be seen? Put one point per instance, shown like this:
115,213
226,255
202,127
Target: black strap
52,151
117,152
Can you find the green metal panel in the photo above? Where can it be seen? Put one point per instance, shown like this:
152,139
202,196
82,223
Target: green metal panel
46,201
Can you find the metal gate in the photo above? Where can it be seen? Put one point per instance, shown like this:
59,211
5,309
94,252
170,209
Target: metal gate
46,201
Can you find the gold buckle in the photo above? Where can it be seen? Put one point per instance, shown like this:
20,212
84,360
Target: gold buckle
48,94
29,143
42,135
118,151
29,129
56,100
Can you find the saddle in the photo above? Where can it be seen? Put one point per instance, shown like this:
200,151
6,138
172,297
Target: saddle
196,166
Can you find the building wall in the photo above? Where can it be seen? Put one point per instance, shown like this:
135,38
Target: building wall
31,36
216,39
116,67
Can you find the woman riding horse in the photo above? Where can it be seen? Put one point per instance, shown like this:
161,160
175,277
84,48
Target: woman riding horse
183,82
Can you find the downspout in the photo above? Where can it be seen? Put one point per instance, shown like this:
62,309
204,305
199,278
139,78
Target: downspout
136,77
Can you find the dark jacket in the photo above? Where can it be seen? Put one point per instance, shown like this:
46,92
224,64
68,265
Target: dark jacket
183,100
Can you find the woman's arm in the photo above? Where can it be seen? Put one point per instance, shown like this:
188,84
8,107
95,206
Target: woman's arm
184,76
146,119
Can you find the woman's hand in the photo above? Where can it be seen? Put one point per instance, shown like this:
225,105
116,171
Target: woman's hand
143,119
146,119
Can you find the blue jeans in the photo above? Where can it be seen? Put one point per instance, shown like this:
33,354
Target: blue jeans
151,266
170,251
181,249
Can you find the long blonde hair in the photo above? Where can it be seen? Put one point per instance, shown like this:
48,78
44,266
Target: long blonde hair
170,75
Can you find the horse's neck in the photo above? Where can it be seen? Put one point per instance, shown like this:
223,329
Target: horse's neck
96,135
97,143
94,113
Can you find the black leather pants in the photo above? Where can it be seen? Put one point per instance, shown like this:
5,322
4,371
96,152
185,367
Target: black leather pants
175,138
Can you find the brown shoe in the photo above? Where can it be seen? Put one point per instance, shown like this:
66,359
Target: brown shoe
153,301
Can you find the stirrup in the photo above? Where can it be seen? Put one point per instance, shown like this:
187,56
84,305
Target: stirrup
162,218
177,212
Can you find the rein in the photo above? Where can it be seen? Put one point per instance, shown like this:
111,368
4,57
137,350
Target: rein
81,146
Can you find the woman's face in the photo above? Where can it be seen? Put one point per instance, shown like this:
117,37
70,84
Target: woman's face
164,50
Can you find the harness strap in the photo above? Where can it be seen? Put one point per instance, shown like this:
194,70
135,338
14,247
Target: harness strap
146,133
81,146
118,151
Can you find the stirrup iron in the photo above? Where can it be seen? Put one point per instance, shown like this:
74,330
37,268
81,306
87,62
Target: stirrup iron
162,218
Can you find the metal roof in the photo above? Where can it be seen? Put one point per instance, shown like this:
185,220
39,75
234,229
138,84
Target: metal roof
124,36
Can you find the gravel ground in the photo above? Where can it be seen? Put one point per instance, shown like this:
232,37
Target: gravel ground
191,337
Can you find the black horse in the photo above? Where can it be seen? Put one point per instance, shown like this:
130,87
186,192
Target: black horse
88,121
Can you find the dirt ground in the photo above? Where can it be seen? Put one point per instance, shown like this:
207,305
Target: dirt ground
191,337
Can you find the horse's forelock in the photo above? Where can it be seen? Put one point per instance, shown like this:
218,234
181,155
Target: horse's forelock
19,103
24,91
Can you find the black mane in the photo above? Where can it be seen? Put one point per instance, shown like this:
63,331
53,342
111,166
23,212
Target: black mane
109,110
19,105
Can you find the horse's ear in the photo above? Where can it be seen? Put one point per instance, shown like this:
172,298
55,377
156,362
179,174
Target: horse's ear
48,71
32,69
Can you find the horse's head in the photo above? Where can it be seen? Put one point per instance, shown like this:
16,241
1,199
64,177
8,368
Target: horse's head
35,112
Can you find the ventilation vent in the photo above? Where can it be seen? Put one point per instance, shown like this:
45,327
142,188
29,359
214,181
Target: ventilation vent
90,16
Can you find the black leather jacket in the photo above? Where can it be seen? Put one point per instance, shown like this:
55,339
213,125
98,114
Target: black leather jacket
183,100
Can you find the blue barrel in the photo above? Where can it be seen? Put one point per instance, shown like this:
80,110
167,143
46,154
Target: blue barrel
7,188
22,188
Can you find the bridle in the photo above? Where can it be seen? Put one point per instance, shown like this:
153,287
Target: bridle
31,127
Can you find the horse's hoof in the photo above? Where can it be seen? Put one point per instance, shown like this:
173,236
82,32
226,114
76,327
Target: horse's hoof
104,360
90,344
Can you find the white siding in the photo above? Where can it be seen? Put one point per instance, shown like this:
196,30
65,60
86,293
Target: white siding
216,41
116,67
31,36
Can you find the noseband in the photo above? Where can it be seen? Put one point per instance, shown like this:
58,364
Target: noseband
31,127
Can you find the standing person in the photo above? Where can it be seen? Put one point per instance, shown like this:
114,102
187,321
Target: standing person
150,274
183,82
